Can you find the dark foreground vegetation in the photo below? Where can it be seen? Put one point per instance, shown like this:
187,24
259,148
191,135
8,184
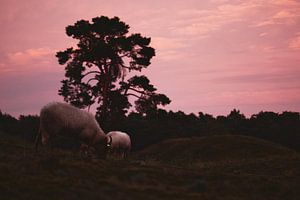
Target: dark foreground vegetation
211,167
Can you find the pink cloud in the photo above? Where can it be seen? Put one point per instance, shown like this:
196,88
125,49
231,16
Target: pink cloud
287,15
164,43
295,43
283,14
263,34
262,48
285,2
29,55
203,22
169,49
39,59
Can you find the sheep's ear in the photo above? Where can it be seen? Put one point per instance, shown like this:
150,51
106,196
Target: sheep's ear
109,141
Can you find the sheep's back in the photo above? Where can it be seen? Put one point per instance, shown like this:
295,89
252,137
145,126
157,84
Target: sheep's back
56,117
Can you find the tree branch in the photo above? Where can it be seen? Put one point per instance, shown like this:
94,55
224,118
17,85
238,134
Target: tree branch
138,91
97,64
125,55
125,66
91,72
130,94
94,100
91,79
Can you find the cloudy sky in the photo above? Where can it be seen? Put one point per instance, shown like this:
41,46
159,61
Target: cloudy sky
211,56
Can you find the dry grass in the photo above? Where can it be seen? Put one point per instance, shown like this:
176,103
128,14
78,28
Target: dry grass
223,167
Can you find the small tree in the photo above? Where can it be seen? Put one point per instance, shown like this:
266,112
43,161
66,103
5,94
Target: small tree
96,68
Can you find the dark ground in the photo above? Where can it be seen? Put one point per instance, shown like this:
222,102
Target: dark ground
213,167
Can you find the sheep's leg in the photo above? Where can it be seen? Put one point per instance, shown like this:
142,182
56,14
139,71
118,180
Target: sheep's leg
126,152
114,153
45,137
51,144
37,140
123,153
119,153
83,150
48,142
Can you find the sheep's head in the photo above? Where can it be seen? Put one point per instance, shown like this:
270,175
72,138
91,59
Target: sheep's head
101,147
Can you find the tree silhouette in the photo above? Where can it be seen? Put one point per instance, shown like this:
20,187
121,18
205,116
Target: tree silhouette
96,68
148,100
236,115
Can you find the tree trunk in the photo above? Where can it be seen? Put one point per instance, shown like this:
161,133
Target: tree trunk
106,88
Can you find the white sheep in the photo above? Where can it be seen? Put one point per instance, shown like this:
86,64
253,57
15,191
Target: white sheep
63,119
119,143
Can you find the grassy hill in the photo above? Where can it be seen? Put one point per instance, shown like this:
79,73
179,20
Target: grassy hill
218,167
186,151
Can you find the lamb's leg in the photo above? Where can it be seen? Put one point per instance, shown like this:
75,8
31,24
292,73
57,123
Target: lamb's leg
123,153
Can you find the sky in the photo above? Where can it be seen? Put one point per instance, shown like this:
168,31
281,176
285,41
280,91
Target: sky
211,56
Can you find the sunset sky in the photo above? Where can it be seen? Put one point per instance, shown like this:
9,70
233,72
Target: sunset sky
211,56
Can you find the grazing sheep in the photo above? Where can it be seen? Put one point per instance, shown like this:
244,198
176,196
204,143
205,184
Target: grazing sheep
119,143
63,119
